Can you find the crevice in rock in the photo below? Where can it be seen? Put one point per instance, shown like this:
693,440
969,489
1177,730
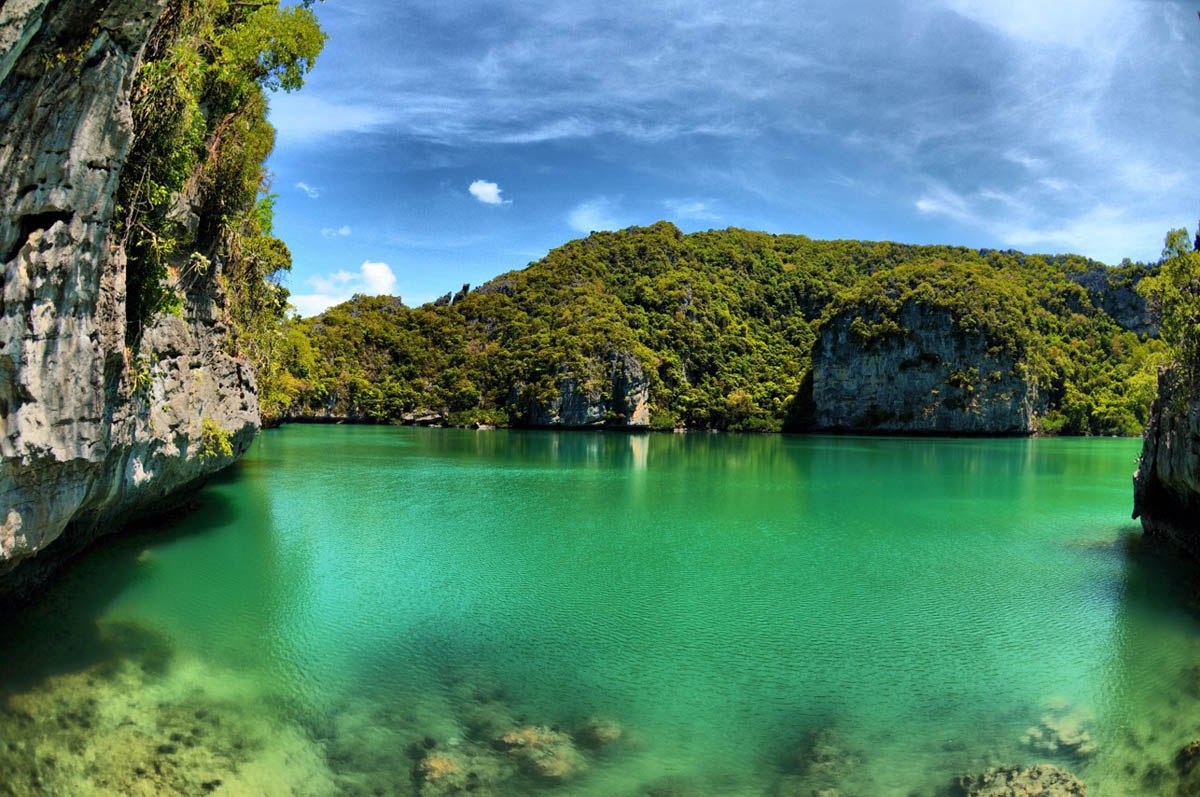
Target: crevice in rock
31,223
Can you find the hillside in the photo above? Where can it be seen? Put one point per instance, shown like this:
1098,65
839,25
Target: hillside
717,330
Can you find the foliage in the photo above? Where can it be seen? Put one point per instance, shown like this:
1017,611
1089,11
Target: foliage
723,324
215,442
1175,294
190,199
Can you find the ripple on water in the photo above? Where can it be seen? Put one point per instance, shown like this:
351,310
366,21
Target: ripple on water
412,611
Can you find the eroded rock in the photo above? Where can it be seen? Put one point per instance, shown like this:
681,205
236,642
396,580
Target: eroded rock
1037,781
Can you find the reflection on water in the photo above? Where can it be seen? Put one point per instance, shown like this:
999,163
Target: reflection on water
403,611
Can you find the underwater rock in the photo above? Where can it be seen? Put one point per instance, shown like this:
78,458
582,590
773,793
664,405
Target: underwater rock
597,732
1187,765
1188,757
121,729
1038,781
819,766
443,772
1061,733
543,752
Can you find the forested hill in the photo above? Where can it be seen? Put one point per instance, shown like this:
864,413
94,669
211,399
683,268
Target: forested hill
651,327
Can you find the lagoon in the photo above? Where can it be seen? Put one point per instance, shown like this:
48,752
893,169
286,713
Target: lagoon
744,614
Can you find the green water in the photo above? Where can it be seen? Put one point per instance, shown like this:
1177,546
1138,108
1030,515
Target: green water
759,615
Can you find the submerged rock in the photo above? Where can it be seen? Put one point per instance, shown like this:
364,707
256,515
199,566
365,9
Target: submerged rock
1061,733
443,772
1187,766
543,752
821,765
597,733
1037,781
122,729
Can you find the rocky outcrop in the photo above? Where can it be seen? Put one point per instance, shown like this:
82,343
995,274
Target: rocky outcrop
620,398
1114,290
91,433
926,377
1166,486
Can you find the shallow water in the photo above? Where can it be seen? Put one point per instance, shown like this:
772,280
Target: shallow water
758,615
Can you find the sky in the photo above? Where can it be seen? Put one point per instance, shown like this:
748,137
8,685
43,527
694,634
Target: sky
445,142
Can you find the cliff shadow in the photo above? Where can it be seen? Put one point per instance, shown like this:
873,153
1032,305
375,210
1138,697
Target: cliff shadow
59,631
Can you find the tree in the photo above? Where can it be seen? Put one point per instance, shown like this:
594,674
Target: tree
1175,295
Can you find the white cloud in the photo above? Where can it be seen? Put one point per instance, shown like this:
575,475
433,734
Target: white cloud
1103,232
378,278
599,213
303,118
336,232
487,192
691,209
1098,230
373,278
312,192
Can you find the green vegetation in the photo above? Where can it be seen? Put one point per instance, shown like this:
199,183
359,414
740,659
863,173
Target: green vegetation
723,324
215,442
1175,294
193,203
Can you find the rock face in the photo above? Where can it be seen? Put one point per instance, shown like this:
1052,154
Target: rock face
622,400
1166,486
1115,292
929,378
90,432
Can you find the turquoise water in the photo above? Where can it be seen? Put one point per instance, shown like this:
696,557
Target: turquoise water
369,610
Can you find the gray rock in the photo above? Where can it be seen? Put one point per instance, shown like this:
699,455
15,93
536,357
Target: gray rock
1166,486
1115,292
90,433
931,378
620,398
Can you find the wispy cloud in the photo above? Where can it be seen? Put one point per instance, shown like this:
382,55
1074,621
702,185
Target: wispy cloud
336,232
1098,230
487,192
595,215
690,209
1022,118
372,278
310,191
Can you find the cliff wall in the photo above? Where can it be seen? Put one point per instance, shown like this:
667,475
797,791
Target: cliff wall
91,432
927,377
1166,486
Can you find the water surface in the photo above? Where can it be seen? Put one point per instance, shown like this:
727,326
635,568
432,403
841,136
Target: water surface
757,615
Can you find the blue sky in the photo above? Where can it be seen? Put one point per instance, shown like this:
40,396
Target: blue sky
444,142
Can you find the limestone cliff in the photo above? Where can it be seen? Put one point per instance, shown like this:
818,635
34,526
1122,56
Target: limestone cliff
926,376
91,433
1166,493
620,398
